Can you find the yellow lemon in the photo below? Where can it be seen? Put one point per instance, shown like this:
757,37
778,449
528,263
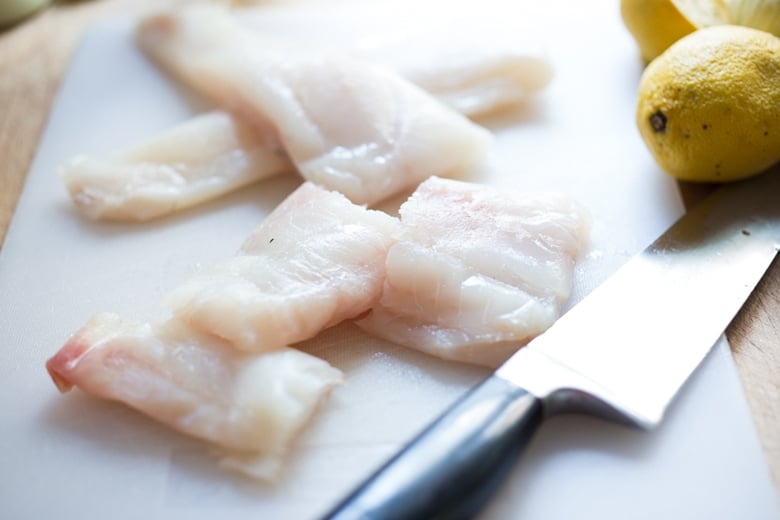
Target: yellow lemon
656,24
709,106
759,14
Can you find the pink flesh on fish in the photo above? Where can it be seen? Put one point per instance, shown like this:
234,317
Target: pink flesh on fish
316,260
201,159
346,124
252,406
476,273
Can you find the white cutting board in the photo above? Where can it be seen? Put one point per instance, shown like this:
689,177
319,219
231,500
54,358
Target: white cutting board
74,456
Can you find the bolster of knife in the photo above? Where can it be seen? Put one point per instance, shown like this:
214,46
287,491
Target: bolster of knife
453,467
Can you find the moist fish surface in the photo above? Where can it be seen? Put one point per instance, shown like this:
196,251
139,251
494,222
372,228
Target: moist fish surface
219,152
474,79
216,153
316,260
201,159
477,272
346,123
251,406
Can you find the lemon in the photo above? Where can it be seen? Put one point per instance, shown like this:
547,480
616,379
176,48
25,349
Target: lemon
759,14
656,24
709,106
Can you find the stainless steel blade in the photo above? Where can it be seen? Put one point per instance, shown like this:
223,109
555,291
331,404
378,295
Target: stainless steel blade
629,346
626,349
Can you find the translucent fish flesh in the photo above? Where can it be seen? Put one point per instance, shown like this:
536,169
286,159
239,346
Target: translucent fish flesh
347,124
316,260
199,160
217,153
251,406
472,78
476,273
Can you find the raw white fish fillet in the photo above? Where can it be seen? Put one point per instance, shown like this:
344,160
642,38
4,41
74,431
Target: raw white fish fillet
472,68
199,160
316,260
250,406
346,124
474,79
217,153
476,273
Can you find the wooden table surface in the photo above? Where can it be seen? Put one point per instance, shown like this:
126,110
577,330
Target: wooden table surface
35,54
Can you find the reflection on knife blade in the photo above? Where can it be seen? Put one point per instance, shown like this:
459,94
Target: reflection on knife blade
624,352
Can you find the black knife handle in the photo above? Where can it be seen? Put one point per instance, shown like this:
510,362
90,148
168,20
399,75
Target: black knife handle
453,467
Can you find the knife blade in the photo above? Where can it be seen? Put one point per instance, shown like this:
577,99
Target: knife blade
622,353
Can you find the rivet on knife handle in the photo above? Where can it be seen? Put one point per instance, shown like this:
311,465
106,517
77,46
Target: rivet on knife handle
453,467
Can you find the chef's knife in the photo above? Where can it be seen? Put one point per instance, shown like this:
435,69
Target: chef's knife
622,353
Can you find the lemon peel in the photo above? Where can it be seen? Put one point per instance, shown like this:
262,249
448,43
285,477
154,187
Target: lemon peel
656,24
758,14
709,107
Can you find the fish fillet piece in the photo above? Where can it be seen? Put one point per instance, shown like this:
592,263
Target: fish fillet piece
345,123
201,159
316,260
475,79
474,69
476,273
250,406
216,153
480,83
